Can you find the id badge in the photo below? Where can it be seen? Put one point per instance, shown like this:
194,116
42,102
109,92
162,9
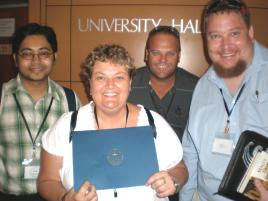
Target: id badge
31,167
31,170
223,144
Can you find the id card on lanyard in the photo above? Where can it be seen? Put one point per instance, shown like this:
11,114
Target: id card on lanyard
32,165
224,141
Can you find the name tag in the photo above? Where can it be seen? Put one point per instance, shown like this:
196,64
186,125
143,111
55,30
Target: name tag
31,171
223,146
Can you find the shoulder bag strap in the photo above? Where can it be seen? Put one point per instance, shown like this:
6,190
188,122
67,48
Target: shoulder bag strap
73,124
151,121
70,98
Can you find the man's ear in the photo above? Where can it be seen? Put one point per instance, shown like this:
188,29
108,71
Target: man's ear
15,58
55,56
179,57
146,55
251,32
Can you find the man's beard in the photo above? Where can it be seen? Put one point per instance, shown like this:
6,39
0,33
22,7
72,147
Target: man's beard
236,70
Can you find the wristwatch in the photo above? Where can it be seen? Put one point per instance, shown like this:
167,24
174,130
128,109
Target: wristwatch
177,185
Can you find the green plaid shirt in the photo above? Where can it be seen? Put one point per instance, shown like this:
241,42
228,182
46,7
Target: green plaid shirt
15,141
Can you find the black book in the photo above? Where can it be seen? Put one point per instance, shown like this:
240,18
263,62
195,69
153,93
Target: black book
249,160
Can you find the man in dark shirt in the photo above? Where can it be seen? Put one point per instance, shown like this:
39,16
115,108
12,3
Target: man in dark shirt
162,86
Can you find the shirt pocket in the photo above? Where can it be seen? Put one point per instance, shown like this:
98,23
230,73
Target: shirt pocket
257,111
260,98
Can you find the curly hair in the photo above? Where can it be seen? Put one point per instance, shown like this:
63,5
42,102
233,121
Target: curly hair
113,53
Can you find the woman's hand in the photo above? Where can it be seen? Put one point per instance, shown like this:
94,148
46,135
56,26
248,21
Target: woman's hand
263,191
87,192
162,183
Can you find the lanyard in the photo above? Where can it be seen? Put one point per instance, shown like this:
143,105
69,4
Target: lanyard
156,107
96,116
97,122
26,124
229,112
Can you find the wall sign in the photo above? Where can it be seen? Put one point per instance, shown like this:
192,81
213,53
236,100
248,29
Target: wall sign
7,27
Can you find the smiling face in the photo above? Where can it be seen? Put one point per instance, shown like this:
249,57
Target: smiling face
35,69
162,56
229,43
109,86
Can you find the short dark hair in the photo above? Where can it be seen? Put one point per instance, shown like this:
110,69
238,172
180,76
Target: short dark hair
166,30
33,29
221,6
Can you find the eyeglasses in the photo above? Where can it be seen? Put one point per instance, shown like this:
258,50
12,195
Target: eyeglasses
42,55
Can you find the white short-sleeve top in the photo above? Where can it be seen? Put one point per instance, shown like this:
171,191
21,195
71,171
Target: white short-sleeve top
168,151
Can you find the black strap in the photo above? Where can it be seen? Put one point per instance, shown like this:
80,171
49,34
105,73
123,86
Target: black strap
1,93
74,118
73,124
70,98
229,112
151,121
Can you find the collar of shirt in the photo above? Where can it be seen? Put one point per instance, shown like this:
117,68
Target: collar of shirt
52,89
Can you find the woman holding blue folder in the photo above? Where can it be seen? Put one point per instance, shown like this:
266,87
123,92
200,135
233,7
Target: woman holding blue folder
109,70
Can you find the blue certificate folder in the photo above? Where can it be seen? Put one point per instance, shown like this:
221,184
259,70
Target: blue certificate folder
114,158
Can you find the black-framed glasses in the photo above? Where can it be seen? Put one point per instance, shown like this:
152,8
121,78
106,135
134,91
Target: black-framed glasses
42,55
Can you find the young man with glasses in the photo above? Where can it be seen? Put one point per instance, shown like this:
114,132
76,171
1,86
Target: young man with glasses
231,97
161,85
30,104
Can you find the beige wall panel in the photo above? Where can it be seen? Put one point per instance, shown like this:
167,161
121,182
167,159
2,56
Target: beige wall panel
259,21
66,84
34,11
59,2
37,7
85,36
79,88
257,3
59,19
43,11
140,2
251,3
